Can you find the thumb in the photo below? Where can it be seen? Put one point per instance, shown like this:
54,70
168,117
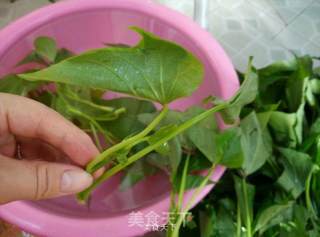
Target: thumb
34,180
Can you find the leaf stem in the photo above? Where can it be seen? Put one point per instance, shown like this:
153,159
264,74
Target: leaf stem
106,157
96,137
238,220
173,206
108,136
183,184
307,192
109,173
248,216
191,201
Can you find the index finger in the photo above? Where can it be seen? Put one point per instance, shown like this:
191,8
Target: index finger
24,117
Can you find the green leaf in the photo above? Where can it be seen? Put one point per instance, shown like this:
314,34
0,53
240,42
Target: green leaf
15,85
264,117
287,128
217,223
154,69
296,83
297,167
316,71
199,162
46,48
175,154
127,123
32,57
280,68
136,173
35,57
122,156
228,148
170,160
315,86
310,95
159,161
202,135
45,98
299,222
117,45
255,142
315,127
272,80
246,94
282,125
63,54
270,216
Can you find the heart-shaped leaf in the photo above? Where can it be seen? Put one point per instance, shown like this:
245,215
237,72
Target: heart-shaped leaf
154,69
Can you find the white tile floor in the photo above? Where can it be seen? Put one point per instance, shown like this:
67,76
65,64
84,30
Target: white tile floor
267,29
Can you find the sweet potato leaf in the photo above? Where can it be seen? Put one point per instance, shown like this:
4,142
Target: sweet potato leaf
228,150
15,85
270,216
255,142
154,69
46,47
202,135
32,57
287,128
127,122
217,223
136,173
63,54
297,82
297,166
246,94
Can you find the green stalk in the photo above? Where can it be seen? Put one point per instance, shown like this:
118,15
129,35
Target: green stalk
173,207
248,218
176,207
238,220
108,136
191,201
93,105
106,157
144,139
183,184
109,173
307,193
96,137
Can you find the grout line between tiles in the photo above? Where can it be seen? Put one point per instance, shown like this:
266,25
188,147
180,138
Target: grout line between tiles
270,15
293,19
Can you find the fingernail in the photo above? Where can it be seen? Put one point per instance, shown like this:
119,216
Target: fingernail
73,181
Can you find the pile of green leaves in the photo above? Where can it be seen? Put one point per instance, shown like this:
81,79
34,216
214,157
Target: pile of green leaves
276,190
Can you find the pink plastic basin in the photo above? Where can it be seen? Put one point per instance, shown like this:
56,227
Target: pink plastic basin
80,25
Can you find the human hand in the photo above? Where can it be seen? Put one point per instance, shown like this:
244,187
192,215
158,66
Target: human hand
39,135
